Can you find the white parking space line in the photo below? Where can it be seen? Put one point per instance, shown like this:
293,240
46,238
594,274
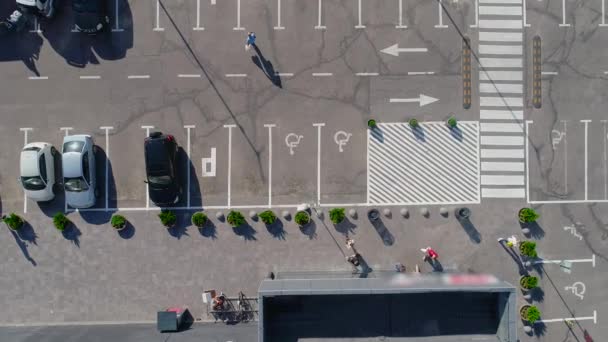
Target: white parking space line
236,75
503,166
238,17
90,77
501,62
563,24
501,101
147,128
319,26
503,192
500,36
38,77
367,74
502,153
189,75
157,27
501,88
66,130
440,25
605,160
25,131
559,261
36,26
269,126
188,128
107,148
500,24
279,27
198,17
550,73
488,114
284,74
571,319
586,122
502,140
322,74
318,125
502,180
360,25
501,76
501,127
116,18
401,26
415,73
501,49
500,1
524,17
476,14
603,14
500,10
138,77
230,127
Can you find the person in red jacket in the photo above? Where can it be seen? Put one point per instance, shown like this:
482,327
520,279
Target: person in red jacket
429,254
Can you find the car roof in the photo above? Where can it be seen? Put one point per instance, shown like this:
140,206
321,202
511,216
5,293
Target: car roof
157,154
29,164
72,164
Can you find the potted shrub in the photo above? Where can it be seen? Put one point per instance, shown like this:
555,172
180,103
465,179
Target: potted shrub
167,218
413,123
13,221
61,221
528,282
268,217
529,313
371,123
528,248
199,219
302,218
118,222
337,215
528,215
235,218
451,122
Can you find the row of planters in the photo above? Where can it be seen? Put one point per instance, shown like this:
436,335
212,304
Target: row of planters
528,313
15,222
451,122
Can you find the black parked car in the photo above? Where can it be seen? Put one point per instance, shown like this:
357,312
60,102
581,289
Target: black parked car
161,169
90,16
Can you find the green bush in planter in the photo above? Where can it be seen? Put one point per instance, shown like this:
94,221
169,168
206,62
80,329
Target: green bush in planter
528,248
61,221
413,123
528,215
452,123
531,314
337,215
167,218
199,219
302,218
371,123
528,282
118,221
268,217
235,218
13,221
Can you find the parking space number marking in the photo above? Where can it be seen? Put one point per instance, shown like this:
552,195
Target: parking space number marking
209,164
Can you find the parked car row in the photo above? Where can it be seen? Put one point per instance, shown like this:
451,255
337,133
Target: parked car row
38,174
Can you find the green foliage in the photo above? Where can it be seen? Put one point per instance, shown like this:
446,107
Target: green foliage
532,314
61,221
527,215
452,122
167,218
371,123
528,282
199,219
268,217
413,123
118,221
13,221
235,218
337,215
302,218
528,248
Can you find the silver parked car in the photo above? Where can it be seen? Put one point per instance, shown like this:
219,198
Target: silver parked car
37,171
79,179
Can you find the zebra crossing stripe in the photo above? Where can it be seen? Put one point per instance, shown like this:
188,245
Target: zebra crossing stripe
431,165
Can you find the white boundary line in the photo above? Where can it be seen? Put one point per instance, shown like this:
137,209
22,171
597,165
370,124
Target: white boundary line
478,162
319,26
269,126
230,127
528,122
138,77
238,17
605,161
106,129
413,73
25,130
236,75
400,26
318,125
157,27
477,14
440,16
320,74
189,75
367,167
67,132
90,77
38,78
367,74
563,24
147,128
360,25
565,155
284,74
559,261
198,17
188,127
279,27
116,17
586,122
571,319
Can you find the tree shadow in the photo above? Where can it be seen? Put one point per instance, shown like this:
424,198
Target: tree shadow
537,294
539,268
536,231
79,50
345,227
456,133
387,238
516,258
246,231
470,229
128,231
22,246
419,134
377,134
72,233
276,229
180,228
539,328
266,66
310,230
208,230
102,217
27,233
22,46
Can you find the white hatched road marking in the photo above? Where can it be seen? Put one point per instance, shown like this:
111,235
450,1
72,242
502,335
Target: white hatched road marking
500,24
491,114
503,192
503,166
500,10
502,180
501,76
502,153
500,1
501,50
502,140
500,36
501,101
422,168
501,88
502,127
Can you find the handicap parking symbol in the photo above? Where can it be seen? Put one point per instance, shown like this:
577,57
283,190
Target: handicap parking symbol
292,141
341,138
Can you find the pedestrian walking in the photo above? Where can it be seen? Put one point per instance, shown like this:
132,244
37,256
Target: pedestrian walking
250,40
350,243
429,254
510,241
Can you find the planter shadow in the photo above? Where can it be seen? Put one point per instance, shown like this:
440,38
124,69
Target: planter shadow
539,328
345,227
128,231
377,134
456,133
387,238
208,230
538,268
309,230
536,231
245,231
419,133
27,233
181,226
537,294
22,246
470,229
276,229
72,233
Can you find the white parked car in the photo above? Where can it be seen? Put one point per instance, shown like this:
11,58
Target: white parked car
79,179
37,171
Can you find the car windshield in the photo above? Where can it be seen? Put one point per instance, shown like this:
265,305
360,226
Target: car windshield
33,183
159,180
75,184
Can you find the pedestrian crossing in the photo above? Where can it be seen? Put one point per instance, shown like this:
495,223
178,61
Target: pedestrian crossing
429,165
501,88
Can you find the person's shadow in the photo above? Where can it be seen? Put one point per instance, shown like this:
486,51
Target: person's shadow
266,67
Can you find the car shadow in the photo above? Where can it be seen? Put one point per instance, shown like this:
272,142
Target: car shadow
50,208
102,217
196,200
23,46
78,49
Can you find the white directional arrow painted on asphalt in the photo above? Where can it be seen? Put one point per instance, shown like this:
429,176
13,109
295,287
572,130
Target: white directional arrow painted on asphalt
394,50
423,100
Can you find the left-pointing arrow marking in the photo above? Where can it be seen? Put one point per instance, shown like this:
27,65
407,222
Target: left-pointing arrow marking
394,50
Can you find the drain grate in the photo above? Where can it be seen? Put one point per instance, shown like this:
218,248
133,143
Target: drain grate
536,73
466,73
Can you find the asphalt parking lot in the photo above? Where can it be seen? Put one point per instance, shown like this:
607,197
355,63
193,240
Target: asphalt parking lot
286,124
